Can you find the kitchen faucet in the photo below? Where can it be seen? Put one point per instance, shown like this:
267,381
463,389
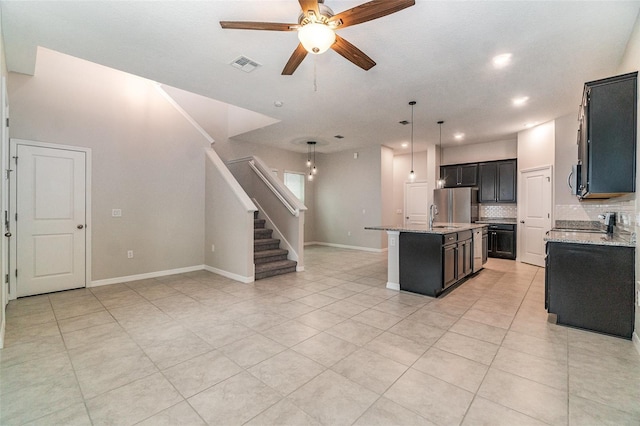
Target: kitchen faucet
433,211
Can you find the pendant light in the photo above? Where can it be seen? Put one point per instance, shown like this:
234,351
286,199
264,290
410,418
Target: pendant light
312,170
412,175
440,182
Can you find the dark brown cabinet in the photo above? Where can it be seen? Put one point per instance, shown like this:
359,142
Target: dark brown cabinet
607,137
502,241
458,175
591,286
497,182
431,263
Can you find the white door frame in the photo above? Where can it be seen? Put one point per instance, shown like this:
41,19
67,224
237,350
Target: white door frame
520,193
13,203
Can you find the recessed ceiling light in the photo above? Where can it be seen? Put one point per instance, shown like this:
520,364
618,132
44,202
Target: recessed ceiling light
501,61
459,136
520,101
404,144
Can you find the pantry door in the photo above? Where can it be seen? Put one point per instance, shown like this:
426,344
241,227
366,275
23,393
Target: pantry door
534,214
416,201
51,207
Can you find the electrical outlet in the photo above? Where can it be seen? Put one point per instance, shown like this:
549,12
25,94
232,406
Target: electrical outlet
638,299
349,233
116,213
213,247
130,254
392,242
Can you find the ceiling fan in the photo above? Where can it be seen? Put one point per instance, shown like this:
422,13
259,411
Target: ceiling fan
316,29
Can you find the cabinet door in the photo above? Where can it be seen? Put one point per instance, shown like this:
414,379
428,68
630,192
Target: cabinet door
504,244
506,191
611,136
468,174
464,259
487,190
450,264
450,176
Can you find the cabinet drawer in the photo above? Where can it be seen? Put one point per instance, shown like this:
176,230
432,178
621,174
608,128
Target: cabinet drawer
449,238
464,235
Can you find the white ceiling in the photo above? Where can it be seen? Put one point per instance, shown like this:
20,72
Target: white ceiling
436,52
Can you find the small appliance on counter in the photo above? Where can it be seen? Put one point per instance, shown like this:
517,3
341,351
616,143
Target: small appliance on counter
609,221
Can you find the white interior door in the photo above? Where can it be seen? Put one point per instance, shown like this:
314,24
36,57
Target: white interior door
535,214
51,219
416,203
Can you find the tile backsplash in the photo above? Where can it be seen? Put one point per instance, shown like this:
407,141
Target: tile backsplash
498,211
589,212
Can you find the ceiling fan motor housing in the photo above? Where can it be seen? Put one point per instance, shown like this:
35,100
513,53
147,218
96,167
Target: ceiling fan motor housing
325,14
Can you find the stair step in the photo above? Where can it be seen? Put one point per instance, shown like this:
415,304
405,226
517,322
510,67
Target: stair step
258,223
259,234
265,244
266,256
271,269
255,214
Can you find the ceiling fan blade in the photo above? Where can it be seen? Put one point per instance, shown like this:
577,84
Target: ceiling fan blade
352,53
368,11
296,58
308,5
269,26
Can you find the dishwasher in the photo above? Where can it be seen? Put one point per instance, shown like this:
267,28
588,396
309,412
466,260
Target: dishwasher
477,250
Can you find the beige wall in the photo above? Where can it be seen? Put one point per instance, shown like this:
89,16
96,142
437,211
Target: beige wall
489,151
536,146
631,62
348,198
147,160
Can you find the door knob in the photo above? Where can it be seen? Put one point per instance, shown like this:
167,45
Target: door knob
7,234
80,226
522,221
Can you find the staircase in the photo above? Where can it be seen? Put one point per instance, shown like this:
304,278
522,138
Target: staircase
270,260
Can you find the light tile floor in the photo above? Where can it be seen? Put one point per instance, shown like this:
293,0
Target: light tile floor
328,346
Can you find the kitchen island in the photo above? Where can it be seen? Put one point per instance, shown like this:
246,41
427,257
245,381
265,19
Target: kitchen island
430,260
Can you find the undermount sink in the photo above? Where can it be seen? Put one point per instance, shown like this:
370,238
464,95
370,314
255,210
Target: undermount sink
445,227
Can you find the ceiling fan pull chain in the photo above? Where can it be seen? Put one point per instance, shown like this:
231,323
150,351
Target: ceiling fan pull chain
315,81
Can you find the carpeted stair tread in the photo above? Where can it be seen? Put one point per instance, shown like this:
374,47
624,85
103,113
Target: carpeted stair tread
261,234
271,269
265,244
269,253
259,223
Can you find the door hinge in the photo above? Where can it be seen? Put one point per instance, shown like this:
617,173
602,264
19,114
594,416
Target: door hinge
16,159
548,215
16,217
6,278
7,121
16,273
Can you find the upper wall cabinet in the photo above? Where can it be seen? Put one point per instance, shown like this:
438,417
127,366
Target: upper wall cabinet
458,175
607,137
497,182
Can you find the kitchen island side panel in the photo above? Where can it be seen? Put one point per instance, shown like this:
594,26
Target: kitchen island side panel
421,263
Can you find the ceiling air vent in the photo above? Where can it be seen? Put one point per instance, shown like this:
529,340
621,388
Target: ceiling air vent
245,64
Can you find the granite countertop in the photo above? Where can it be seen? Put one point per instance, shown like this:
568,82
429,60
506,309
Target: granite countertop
577,237
505,220
438,228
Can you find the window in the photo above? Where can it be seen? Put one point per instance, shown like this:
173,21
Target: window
295,182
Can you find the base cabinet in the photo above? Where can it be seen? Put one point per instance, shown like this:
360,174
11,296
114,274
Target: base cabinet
591,286
502,241
431,263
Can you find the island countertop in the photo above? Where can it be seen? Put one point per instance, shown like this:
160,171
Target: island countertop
438,228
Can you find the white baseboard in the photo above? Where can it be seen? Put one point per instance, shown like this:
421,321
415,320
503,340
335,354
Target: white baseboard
228,274
369,249
636,340
393,286
148,275
299,268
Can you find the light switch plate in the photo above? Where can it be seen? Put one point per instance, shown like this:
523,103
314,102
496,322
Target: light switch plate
116,213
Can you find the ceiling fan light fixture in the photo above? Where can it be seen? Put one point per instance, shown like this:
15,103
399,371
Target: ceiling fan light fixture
316,37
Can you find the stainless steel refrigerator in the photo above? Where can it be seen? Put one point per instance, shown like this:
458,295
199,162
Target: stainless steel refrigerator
456,205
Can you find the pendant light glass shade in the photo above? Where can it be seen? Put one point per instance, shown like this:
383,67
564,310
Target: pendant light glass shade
412,174
311,160
316,38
